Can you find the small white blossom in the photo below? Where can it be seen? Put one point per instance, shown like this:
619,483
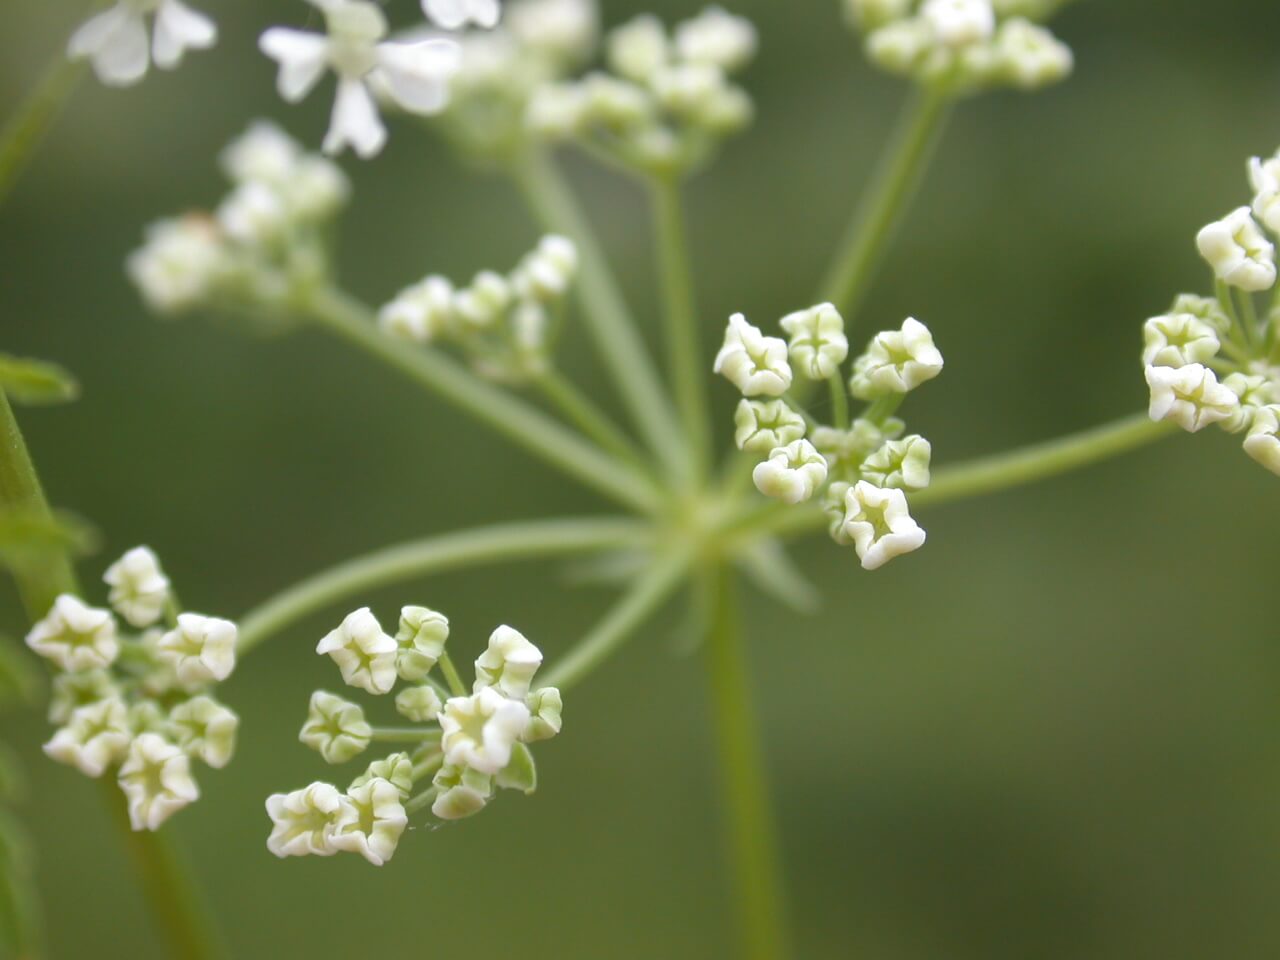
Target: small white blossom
365,655
156,780
420,704
254,213
200,650
206,729
818,343
414,75
900,463
481,730
76,637
456,14
792,474
115,41
97,736
1190,396
1263,441
564,31
487,299
638,49
896,361
262,154
74,690
557,111
462,792
1030,55
752,362
845,450
762,426
420,641
335,728
1239,252
139,588
1178,339
546,708
370,821
878,523
717,38
1253,391
1264,175
179,264
396,769
304,821
509,663
146,716
546,273
900,45
959,23
421,312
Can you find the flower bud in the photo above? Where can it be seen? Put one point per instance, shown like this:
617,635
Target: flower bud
762,426
792,474
335,728
420,642
1239,253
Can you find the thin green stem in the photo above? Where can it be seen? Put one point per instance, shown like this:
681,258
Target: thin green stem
879,212
452,677
839,401
648,593
605,312
402,734
750,833
27,128
450,551
423,800
685,365
588,418
508,415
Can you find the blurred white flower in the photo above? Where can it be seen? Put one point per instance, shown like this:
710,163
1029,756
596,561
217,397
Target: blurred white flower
178,265
456,14
1264,175
139,588
717,38
206,729
958,23
1030,55
97,736
420,313
76,637
115,41
156,780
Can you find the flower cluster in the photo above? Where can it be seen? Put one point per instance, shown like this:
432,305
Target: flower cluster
467,745
862,469
116,43
140,704
1217,359
504,323
265,239
667,99
964,45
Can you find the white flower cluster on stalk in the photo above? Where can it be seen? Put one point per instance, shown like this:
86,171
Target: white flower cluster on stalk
505,323
964,45
265,240
861,468
139,704
668,99
115,41
467,746
1217,359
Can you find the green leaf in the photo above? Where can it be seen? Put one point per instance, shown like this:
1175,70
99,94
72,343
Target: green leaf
36,382
521,773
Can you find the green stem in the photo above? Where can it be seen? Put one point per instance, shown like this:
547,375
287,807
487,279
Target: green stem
452,677
401,734
448,551
685,365
588,418
839,401
605,312
750,835
877,215
27,128
645,596
509,416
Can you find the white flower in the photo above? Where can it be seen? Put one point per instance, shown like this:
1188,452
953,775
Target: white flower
420,641
156,780
761,426
877,522
752,362
959,23
481,730
200,650
898,46
688,89
335,728
139,588
365,655
1190,396
792,474
846,449
546,708
1264,175
420,704
1239,252
304,821
206,729
638,49
717,38
397,769
1262,443
456,14
557,110
115,41
1030,55
76,637
254,213
509,663
420,313
97,736
818,344
900,463
482,303
73,690
370,821
562,30
546,273
896,361
179,264
414,75
262,154
1178,339
462,792
1254,391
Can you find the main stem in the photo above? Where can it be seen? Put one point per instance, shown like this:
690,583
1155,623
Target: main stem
175,903
749,826
25,130
895,182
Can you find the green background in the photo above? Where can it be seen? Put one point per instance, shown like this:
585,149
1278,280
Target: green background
1050,734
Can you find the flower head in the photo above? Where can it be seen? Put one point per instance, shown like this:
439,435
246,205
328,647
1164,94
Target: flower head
878,523
303,821
818,344
792,474
508,664
139,588
115,41
1239,252
896,361
200,650
1175,340
156,780
754,363
481,730
763,426
370,821
365,655
206,729
335,728
76,637
97,736
1190,396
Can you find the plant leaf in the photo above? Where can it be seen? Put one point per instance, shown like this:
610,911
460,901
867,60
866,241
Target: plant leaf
36,381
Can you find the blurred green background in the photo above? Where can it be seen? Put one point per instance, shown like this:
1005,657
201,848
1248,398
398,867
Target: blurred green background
1055,733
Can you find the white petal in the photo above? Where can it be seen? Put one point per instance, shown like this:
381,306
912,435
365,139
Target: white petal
117,43
95,32
179,28
302,57
417,74
355,121
450,14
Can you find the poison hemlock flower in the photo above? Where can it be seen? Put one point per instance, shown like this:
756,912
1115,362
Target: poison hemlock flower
116,43
206,729
419,704
421,313
304,821
1177,340
420,641
335,728
1264,175
1263,441
902,464
76,637
757,365
818,344
156,780
792,474
1190,396
97,736
509,663
461,792
396,769
139,589
879,524
761,427
179,264
1239,252
958,23
200,650
365,655
370,821
414,75
456,14
74,690
896,361
481,730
